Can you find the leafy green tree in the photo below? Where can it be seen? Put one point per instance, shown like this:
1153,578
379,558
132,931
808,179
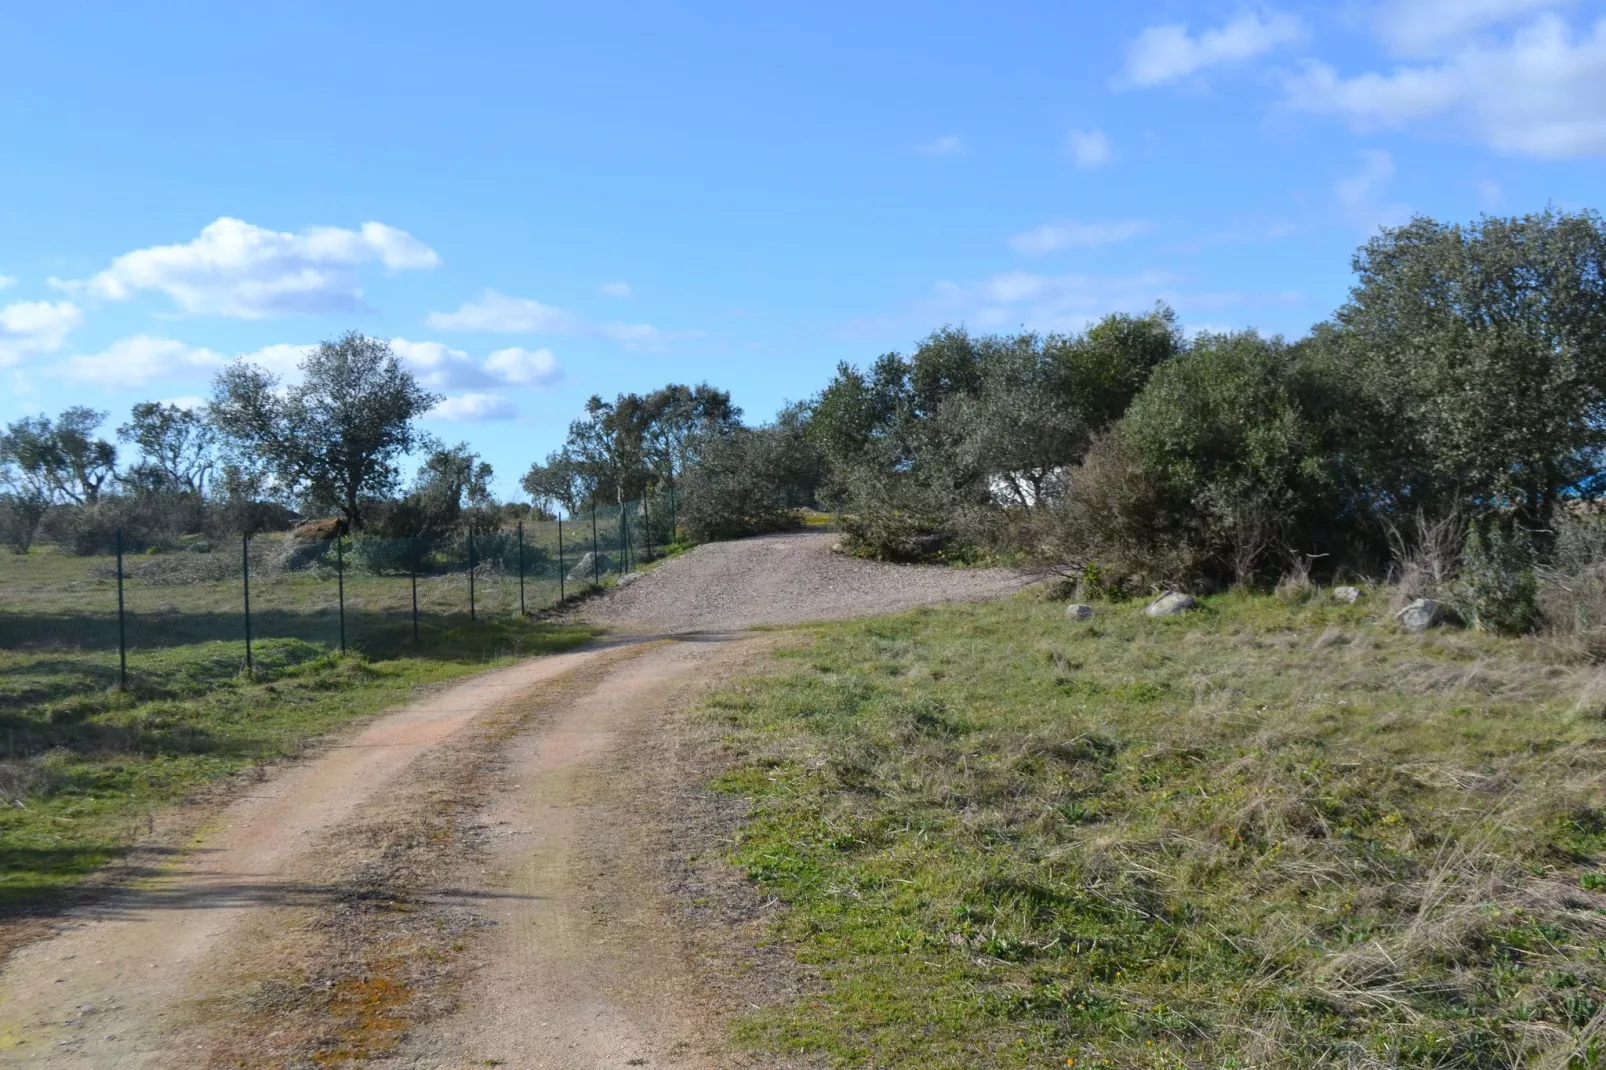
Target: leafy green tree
177,447
61,459
333,437
1484,349
1255,434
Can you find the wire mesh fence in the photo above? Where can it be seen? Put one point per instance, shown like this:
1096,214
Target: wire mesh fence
270,600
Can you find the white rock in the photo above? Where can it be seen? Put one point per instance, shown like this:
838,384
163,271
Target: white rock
1347,595
1078,611
1169,605
1420,615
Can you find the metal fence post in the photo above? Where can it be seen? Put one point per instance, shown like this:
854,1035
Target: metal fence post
245,576
340,578
562,595
412,575
521,568
122,634
646,528
624,539
596,557
470,539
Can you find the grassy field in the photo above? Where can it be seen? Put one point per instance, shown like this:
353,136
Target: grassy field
84,763
1269,833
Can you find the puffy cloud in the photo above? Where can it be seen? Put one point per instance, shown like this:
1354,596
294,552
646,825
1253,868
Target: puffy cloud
441,367
942,148
616,289
1540,93
236,269
1168,53
473,408
524,367
500,313
1089,149
1422,27
137,360
1052,237
29,327
283,359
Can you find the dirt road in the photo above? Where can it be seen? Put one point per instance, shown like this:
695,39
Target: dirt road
465,881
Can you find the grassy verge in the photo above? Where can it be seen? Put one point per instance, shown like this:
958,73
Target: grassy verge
1262,834
86,764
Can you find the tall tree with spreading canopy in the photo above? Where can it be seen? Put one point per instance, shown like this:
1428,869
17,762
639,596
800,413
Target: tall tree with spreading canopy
334,437
61,459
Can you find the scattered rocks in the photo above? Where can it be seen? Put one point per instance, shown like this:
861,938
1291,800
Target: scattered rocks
1171,605
1421,615
1078,611
1347,595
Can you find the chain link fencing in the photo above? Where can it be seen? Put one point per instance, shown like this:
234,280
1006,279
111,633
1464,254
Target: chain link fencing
71,623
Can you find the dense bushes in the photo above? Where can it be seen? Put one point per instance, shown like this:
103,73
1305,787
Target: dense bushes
750,480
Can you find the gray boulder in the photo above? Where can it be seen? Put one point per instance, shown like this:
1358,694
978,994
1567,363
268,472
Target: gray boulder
1171,605
1347,595
628,579
582,572
1078,611
1421,615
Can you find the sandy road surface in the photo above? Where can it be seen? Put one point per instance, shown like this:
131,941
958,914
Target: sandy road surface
580,967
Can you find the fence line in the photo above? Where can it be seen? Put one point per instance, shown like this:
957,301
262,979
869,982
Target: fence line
275,591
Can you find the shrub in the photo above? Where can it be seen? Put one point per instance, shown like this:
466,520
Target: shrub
1497,589
1115,528
19,519
749,481
1572,585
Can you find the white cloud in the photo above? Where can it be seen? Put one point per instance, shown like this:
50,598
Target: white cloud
1541,93
1089,149
7,281
440,367
236,269
499,312
1422,27
945,147
520,315
473,407
283,360
29,327
616,289
137,360
1168,53
1363,195
524,367
1052,237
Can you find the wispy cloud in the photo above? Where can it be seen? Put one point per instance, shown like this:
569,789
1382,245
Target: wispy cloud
1363,196
616,289
945,147
1424,27
1169,53
497,312
1052,237
1089,149
473,408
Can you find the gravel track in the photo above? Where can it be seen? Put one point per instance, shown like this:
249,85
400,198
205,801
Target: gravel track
791,578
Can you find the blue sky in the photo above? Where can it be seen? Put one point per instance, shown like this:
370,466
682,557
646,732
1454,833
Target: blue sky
541,202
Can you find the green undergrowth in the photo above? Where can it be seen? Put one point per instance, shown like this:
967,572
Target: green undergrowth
1263,834
86,764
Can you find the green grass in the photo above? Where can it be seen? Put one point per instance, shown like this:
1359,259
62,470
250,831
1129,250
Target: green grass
83,763
1262,834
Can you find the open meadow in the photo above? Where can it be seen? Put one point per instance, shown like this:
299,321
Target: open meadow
1268,832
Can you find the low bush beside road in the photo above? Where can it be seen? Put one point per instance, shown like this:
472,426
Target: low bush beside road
1272,831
